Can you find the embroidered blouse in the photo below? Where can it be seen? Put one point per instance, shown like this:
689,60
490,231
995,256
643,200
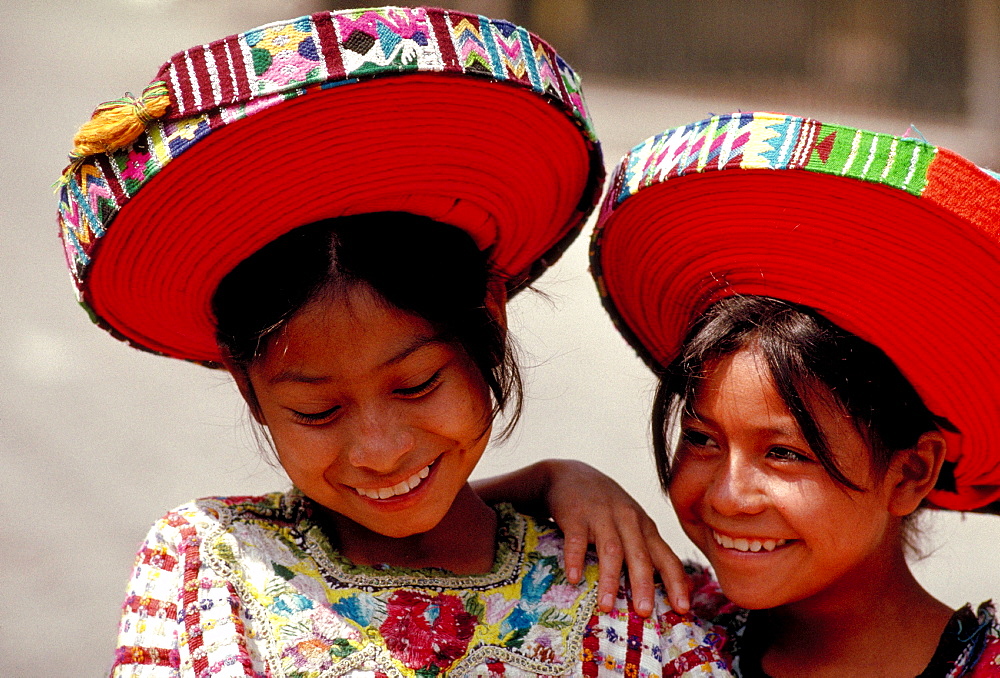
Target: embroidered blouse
969,646
250,586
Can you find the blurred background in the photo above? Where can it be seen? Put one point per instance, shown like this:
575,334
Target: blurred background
98,440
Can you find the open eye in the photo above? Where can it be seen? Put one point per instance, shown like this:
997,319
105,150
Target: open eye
692,437
313,418
420,389
787,454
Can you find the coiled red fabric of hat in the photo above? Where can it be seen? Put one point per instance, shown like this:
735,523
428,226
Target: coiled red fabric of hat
890,238
407,116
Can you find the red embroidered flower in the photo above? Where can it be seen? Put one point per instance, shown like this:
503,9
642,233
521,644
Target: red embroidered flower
135,166
425,631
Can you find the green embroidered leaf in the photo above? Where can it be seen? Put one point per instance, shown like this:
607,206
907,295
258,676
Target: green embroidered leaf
427,672
554,619
275,587
474,606
341,648
224,551
283,572
296,630
516,637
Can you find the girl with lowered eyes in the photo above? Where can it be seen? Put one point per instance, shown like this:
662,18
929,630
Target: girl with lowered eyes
313,206
821,306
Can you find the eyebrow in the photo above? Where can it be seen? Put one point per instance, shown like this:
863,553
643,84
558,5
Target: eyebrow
790,430
408,350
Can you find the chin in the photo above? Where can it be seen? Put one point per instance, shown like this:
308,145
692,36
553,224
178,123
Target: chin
402,529
747,595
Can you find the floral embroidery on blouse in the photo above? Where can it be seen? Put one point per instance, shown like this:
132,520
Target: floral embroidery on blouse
407,622
250,586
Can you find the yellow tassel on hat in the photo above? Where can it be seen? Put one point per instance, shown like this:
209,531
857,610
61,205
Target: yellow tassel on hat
116,124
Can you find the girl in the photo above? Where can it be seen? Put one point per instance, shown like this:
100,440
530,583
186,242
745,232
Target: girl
820,304
334,209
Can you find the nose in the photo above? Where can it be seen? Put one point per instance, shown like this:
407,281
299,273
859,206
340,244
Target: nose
379,439
738,487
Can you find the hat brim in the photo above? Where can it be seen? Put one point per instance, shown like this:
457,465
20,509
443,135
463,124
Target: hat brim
500,162
902,273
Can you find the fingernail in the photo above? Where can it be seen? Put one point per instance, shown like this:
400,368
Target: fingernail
644,606
682,601
573,574
607,600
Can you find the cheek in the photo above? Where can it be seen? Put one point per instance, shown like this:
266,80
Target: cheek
688,484
462,412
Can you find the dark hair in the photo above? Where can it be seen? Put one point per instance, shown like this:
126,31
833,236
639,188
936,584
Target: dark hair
415,264
807,355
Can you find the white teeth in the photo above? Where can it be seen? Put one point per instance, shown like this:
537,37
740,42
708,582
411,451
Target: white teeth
741,544
399,488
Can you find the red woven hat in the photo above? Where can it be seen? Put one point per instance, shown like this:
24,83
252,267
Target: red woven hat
891,238
472,122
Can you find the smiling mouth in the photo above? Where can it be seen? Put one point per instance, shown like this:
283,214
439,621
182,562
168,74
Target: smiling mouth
743,544
398,489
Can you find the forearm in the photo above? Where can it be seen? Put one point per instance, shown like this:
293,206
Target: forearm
525,488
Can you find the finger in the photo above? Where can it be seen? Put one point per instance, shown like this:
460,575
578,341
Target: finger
609,555
671,569
574,553
638,561
640,580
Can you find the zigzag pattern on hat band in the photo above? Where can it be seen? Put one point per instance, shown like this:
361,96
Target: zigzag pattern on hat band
219,83
772,141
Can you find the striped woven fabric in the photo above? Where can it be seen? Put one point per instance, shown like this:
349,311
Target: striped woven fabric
774,141
219,83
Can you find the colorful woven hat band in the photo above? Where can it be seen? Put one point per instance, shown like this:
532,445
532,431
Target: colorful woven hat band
470,121
891,238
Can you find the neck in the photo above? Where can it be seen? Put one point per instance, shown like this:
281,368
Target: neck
469,523
881,624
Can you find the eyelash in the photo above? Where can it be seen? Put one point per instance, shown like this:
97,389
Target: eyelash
421,389
787,454
695,438
699,439
412,392
315,417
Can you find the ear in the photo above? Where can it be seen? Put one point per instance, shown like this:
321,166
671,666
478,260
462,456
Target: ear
496,301
915,471
245,386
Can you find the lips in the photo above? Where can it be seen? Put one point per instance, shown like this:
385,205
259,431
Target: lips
747,544
401,488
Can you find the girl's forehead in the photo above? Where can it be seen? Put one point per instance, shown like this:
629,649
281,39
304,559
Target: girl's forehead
740,387
338,332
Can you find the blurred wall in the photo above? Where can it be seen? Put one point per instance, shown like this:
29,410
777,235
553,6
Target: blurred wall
98,440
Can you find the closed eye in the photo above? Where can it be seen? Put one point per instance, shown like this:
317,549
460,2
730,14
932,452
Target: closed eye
315,417
420,389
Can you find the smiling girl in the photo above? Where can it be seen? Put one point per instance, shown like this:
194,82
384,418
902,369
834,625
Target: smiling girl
820,304
334,209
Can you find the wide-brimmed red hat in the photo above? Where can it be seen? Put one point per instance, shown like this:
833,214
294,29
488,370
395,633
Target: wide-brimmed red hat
891,238
473,122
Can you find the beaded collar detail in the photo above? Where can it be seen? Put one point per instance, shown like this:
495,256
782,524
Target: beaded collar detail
406,623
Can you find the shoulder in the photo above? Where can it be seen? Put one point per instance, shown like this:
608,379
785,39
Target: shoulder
664,643
707,599
185,525
981,656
